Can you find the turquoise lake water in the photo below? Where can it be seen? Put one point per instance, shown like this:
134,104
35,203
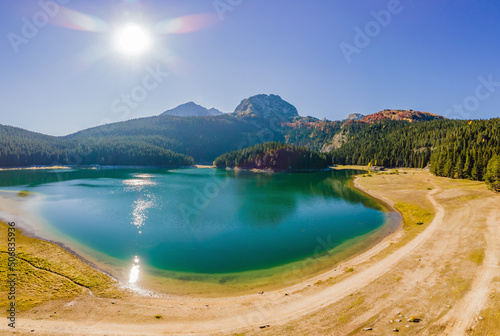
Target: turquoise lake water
200,220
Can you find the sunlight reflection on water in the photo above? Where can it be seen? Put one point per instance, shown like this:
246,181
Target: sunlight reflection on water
145,201
139,213
137,184
134,272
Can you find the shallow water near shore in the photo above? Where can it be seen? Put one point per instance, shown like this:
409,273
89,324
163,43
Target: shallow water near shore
201,224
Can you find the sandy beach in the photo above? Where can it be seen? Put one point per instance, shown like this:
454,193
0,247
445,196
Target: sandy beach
442,272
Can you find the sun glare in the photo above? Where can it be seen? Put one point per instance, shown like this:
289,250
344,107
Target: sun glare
133,40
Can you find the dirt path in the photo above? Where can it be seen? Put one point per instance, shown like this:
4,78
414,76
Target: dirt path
466,312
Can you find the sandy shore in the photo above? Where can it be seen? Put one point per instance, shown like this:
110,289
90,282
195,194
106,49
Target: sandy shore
444,273
37,168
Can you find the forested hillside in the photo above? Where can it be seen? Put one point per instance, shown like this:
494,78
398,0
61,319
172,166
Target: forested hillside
453,148
274,156
20,148
390,143
467,149
309,132
203,138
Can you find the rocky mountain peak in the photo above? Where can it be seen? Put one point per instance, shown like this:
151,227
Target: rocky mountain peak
266,107
355,116
192,109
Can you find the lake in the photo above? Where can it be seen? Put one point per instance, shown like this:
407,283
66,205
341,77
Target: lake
198,221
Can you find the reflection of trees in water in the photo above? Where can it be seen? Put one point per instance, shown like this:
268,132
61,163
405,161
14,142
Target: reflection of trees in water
38,177
268,210
341,189
269,199
43,176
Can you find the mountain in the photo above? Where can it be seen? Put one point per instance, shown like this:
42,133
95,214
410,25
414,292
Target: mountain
405,115
213,111
192,110
458,148
266,107
257,119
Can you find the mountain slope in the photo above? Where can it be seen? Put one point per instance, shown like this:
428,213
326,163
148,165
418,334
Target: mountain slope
401,144
19,148
203,138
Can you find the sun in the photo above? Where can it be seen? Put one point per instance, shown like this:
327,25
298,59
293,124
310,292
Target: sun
133,40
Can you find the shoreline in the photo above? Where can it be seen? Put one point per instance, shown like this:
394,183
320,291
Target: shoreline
242,283
95,167
272,171
397,277
27,227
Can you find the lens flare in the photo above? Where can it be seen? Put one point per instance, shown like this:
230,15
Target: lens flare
186,24
72,19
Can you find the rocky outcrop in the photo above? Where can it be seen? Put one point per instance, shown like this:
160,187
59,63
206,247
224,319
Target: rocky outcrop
355,116
336,142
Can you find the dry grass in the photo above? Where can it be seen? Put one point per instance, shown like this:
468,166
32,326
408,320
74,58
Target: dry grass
46,272
477,256
24,193
353,307
491,318
414,214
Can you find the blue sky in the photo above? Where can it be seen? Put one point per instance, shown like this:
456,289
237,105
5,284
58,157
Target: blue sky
435,56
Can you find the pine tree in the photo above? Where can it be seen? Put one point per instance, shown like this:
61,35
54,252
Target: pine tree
459,167
492,176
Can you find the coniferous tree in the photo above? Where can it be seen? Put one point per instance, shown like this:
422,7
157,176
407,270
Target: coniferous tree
492,176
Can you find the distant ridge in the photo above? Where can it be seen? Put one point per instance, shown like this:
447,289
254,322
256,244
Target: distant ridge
192,109
405,115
